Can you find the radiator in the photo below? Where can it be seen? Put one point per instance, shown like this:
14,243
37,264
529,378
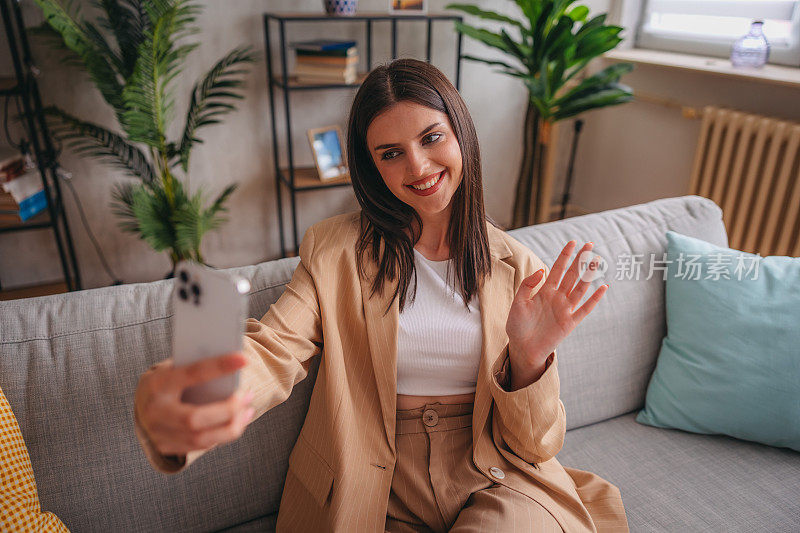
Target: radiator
749,165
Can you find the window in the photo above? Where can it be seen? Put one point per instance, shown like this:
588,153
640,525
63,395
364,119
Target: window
710,27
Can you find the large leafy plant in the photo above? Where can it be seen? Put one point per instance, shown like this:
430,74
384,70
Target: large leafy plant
133,53
553,45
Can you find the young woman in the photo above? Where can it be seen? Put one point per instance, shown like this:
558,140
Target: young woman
436,406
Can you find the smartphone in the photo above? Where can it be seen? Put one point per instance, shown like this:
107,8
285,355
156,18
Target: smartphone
208,319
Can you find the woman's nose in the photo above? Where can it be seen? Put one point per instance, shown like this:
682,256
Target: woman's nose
418,164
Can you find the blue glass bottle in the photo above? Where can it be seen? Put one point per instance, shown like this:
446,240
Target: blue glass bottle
751,50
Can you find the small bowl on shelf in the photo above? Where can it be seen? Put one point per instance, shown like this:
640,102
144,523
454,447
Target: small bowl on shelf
340,8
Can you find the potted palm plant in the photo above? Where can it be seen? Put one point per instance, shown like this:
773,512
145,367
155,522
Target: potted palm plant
555,43
135,75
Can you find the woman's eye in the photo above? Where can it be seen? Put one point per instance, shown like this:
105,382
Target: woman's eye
436,136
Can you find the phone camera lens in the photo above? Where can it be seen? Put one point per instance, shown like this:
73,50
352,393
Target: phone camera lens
184,276
183,294
196,293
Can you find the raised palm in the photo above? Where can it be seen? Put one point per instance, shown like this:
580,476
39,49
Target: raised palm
537,324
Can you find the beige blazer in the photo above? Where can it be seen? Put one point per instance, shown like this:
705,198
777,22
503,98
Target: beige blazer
340,470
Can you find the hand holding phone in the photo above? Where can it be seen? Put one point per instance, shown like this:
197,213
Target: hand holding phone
208,320
190,401
175,427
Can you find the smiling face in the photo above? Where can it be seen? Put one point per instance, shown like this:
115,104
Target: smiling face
419,158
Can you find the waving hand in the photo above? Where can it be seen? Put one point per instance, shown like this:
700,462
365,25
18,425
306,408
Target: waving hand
537,324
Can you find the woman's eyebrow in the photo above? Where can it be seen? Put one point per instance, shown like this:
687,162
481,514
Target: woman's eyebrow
420,134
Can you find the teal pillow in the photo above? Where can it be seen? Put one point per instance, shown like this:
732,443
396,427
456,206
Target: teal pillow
730,363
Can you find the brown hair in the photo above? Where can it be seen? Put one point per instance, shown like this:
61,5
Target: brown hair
383,216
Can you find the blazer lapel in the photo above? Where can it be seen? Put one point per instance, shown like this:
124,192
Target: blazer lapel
382,338
495,297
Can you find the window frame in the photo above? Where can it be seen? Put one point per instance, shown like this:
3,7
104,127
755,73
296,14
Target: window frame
716,46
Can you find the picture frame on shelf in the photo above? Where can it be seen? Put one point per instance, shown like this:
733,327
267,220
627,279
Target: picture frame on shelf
408,7
326,146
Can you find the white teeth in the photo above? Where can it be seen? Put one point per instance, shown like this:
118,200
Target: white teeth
429,184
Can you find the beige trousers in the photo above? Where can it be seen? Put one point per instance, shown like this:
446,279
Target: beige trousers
436,486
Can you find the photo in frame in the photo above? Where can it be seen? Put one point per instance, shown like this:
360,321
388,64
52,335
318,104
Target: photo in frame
408,7
326,146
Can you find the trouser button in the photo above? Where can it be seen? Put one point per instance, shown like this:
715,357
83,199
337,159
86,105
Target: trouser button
430,417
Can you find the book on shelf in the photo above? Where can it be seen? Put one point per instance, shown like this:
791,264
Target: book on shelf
315,70
322,45
327,60
344,77
12,164
22,197
343,52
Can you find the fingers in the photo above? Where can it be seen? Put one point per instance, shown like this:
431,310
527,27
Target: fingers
587,307
227,433
560,265
180,378
181,442
583,285
574,270
528,284
213,414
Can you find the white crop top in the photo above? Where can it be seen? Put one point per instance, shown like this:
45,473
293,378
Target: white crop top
438,341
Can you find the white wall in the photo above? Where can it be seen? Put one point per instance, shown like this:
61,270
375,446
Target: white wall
240,149
629,154
640,151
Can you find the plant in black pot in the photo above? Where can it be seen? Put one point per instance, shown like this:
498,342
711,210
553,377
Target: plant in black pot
133,53
556,43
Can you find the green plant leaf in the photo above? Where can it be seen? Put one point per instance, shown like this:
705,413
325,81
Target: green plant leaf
491,62
608,75
485,36
122,205
608,95
579,13
558,39
97,141
124,19
147,212
134,51
103,46
53,40
520,50
210,98
148,104
487,15
99,66
192,221
593,23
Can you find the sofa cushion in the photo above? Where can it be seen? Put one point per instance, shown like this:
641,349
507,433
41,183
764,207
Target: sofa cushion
730,362
672,480
606,362
69,365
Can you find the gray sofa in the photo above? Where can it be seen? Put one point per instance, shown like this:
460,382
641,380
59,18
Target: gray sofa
70,364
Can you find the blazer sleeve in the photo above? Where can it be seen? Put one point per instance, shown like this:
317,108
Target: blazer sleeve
531,420
278,349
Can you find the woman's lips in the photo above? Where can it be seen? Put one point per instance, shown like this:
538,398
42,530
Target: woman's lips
426,179
430,190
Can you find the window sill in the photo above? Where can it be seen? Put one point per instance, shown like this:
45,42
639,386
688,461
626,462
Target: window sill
772,74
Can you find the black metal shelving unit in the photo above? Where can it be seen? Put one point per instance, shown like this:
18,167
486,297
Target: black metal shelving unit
302,179
24,85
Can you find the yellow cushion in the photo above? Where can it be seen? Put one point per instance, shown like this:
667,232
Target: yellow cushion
19,501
